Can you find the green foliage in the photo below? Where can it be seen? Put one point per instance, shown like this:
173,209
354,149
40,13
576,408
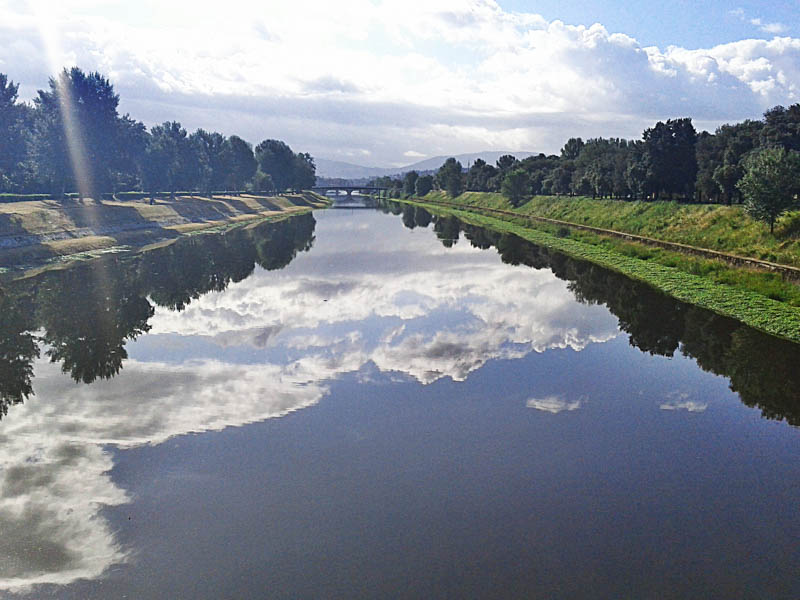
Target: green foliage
770,184
515,186
410,183
424,185
572,148
670,149
450,177
482,177
276,159
285,168
241,161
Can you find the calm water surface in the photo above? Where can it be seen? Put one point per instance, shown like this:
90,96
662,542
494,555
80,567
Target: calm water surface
361,404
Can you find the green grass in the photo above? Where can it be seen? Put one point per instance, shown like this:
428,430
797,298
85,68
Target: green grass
722,228
696,281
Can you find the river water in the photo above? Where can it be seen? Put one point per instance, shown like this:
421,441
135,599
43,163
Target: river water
383,404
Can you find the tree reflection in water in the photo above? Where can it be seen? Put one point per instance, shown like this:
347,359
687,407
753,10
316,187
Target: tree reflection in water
762,369
84,315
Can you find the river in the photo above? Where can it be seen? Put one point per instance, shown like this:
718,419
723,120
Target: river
386,404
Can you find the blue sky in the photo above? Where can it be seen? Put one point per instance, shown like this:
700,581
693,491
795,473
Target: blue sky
677,22
387,82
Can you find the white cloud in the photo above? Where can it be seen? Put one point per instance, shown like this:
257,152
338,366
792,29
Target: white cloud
773,28
54,469
688,406
450,76
680,401
553,404
340,317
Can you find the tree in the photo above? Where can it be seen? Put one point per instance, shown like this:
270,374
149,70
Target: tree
12,136
670,149
782,127
450,178
129,156
770,184
726,177
515,186
410,182
213,166
572,148
506,162
277,160
171,160
304,174
480,175
424,185
262,182
241,160
77,133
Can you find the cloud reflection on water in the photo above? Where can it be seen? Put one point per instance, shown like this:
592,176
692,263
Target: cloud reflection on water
445,318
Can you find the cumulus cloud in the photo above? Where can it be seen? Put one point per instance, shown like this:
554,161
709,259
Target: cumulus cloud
446,76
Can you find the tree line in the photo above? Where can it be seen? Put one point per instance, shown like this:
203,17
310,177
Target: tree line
756,162
72,139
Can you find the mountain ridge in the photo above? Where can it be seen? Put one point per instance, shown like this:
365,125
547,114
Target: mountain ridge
344,170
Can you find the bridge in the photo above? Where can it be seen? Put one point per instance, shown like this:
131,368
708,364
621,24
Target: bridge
349,189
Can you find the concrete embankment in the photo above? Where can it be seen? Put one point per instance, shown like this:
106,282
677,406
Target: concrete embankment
38,231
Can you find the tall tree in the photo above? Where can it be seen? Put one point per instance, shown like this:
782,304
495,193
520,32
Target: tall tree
171,161
782,127
424,185
515,186
506,162
410,182
77,134
770,184
12,137
129,156
276,159
480,175
213,166
572,148
450,177
304,173
670,148
241,161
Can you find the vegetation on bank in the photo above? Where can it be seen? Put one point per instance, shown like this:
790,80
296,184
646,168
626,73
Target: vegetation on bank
755,163
712,226
736,300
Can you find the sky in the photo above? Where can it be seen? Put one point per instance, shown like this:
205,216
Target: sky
390,82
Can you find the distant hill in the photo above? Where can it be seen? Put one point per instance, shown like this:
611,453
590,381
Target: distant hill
332,168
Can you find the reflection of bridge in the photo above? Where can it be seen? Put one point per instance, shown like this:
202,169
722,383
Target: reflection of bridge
349,189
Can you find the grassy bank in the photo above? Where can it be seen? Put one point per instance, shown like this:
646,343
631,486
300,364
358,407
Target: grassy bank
42,231
746,305
721,228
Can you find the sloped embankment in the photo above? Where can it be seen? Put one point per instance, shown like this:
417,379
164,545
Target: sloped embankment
40,230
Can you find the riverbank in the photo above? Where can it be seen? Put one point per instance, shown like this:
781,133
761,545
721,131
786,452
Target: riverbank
724,229
46,231
734,300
